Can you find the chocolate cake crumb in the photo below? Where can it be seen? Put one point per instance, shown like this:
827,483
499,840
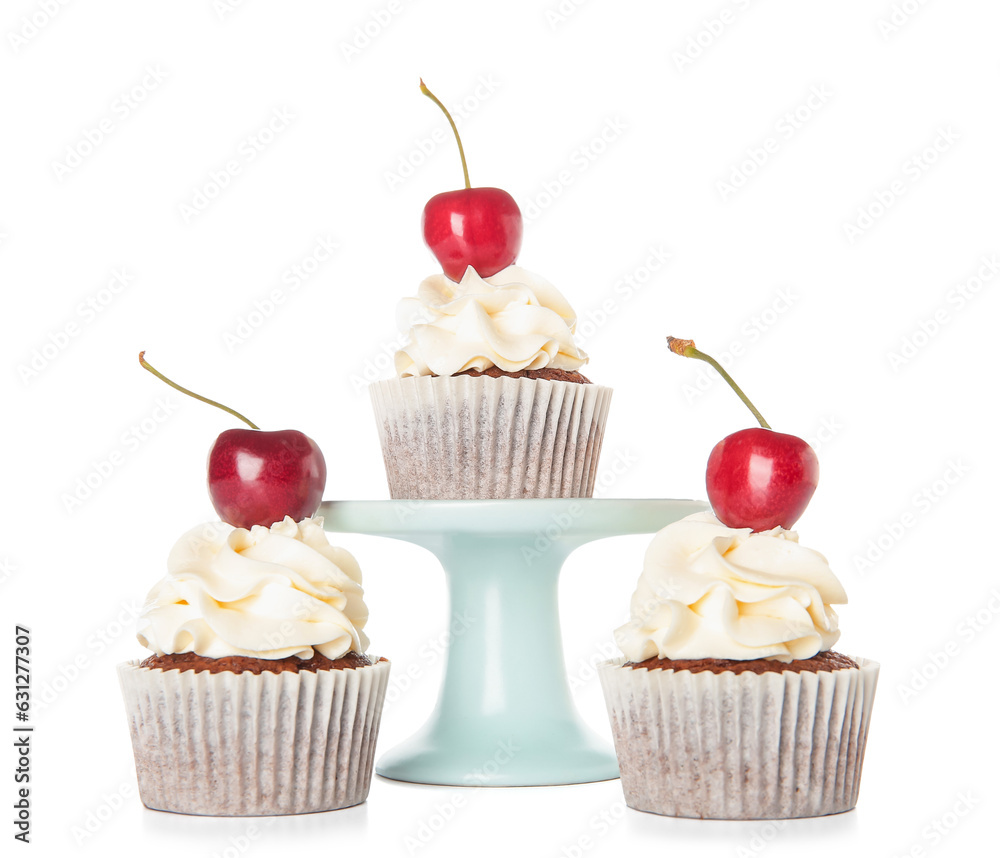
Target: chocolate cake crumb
546,373
827,660
246,664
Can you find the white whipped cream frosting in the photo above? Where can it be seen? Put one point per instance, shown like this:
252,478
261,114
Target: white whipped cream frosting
711,591
268,592
513,320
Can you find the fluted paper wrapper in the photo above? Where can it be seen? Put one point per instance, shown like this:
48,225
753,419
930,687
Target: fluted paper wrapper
483,438
740,746
227,744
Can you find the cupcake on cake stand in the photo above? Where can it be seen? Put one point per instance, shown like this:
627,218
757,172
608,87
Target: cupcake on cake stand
491,438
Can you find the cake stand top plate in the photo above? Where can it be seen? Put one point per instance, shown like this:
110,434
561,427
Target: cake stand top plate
595,517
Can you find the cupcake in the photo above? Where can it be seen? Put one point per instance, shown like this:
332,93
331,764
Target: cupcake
729,702
489,401
259,698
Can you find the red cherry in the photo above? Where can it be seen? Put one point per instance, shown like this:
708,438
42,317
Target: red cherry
257,477
756,478
759,478
481,227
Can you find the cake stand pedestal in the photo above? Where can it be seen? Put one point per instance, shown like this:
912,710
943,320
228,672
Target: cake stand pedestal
504,715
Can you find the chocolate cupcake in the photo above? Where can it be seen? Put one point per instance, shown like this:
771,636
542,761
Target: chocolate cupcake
259,698
489,401
729,702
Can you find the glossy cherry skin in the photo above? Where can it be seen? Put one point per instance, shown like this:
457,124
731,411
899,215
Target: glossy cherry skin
258,477
759,478
481,227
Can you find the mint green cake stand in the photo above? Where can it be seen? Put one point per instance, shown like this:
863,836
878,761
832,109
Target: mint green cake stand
504,715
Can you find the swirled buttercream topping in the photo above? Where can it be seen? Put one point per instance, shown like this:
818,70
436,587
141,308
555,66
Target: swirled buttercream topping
513,320
268,592
711,591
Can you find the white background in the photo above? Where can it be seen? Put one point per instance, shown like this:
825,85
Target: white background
808,312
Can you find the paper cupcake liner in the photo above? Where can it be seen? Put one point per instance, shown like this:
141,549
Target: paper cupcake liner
482,437
740,746
227,744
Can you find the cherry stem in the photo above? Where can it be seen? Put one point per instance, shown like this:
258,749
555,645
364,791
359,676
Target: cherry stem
686,348
192,394
461,151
